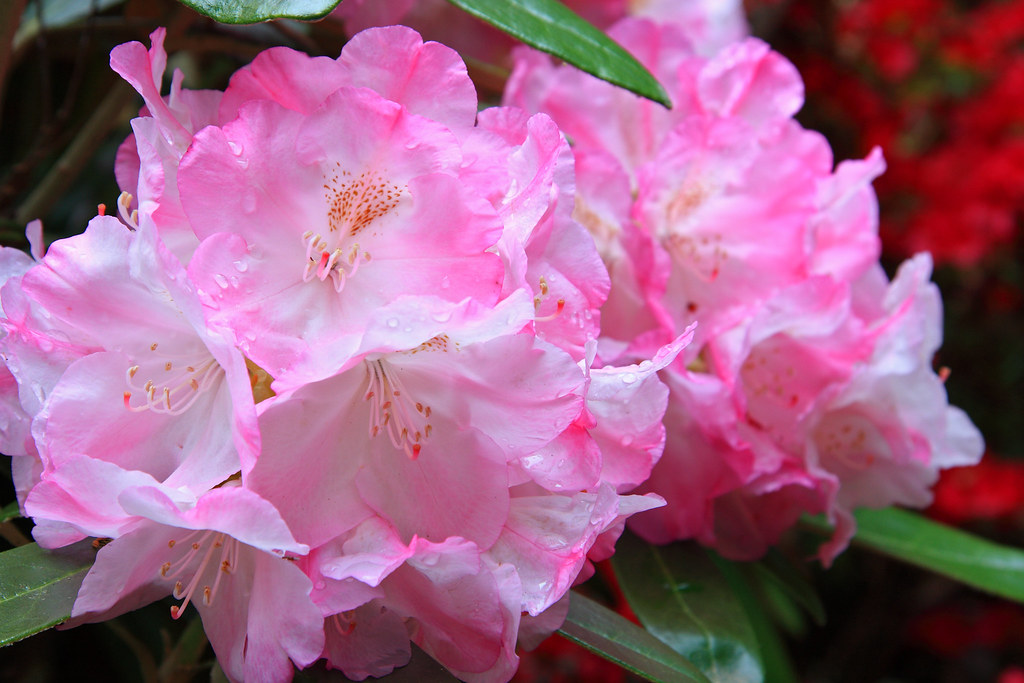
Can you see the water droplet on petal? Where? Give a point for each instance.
(626, 440)
(628, 378)
(45, 345)
(249, 201)
(241, 266)
(445, 282)
(236, 148)
(221, 281)
(392, 322)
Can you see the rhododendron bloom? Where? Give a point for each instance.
(335, 359)
(162, 393)
(229, 554)
(725, 212)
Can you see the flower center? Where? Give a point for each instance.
(205, 553)
(704, 254)
(354, 203)
(392, 410)
(170, 383)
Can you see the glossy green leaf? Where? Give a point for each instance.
(38, 587)
(939, 548)
(776, 572)
(9, 512)
(255, 11)
(550, 26)
(778, 667)
(683, 599)
(619, 640)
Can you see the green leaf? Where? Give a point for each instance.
(9, 512)
(957, 554)
(776, 572)
(778, 667)
(38, 587)
(683, 599)
(550, 26)
(255, 11)
(619, 640)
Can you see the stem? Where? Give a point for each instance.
(141, 652)
(179, 666)
(13, 535)
(105, 117)
(10, 17)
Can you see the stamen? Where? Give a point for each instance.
(392, 411)
(225, 565)
(344, 622)
(560, 306)
(128, 215)
(177, 389)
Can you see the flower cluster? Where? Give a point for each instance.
(809, 386)
(355, 365)
(329, 373)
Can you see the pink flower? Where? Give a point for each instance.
(229, 554)
(147, 162)
(331, 228)
(114, 363)
(347, 378)
(725, 212)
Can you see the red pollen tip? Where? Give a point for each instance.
(175, 612)
(944, 373)
(127, 398)
(101, 209)
(415, 451)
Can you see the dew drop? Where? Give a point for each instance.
(627, 441)
(221, 281)
(628, 378)
(445, 282)
(241, 266)
(236, 148)
(392, 322)
(45, 345)
(249, 201)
